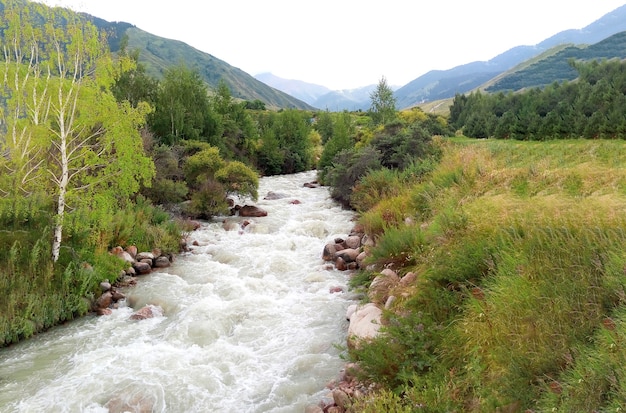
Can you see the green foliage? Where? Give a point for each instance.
(348, 167)
(202, 165)
(237, 178)
(182, 109)
(519, 292)
(285, 145)
(559, 67)
(376, 185)
(383, 103)
(340, 139)
(592, 107)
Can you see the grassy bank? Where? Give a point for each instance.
(36, 294)
(520, 254)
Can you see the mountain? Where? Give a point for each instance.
(442, 84)
(306, 92)
(158, 54)
(556, 67)
(321, 97)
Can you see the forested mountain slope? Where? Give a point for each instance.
(158, 54)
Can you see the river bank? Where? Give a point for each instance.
(249, 323)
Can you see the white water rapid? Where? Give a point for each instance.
(248, 324)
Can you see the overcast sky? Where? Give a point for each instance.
(343, 44)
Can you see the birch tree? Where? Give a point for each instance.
(88, 144)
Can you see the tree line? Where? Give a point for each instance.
(591, 107)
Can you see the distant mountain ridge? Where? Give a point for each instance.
(556, 67)
(442, 84)
(319, 96)
(158, 54)
(306, 92)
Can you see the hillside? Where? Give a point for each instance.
(159, 53)
(441, 84)
(556, 67)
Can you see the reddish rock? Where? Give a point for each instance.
(348, 254)
(340, 264)
(353, 241)
(251, 211)
(409, 279)
(335, 289)
(360, 259)
(142, 268)
(328, 254)
(105, 300)
(149, 311)
(132, 250)
(104, 311)
(123, 255)
(295, 202)
(117, 295)
(136, 403)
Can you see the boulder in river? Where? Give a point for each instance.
(251, 211)
(148, 311)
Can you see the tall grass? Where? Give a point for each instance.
(521, 286)
(35, 293)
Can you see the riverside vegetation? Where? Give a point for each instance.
(519, 252)
(518, 246)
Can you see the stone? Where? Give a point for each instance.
(148, 311)
(105, 300)
(136, 403)
(271, 196)
(328, 254)
(364, 324)
(409, 279)
(105, 285)
(162, 262)
(144, 256)
(142, 268)
(351, 310)
(118, 295)
(132, 250)
(340, 264)
(251, 211)
(123, 255)
(348, 254)
(361, 258)
(104, 311)
(353, 241)
(341, 399)
(382, 284)
(389, 302)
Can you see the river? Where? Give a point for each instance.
(248, 324)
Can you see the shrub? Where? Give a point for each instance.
(348, 167)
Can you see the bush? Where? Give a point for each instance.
(348, 167)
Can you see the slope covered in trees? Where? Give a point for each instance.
(592, 107)
(558, 67)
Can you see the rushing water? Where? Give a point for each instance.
(248, 324)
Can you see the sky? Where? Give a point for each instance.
(346, 44)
